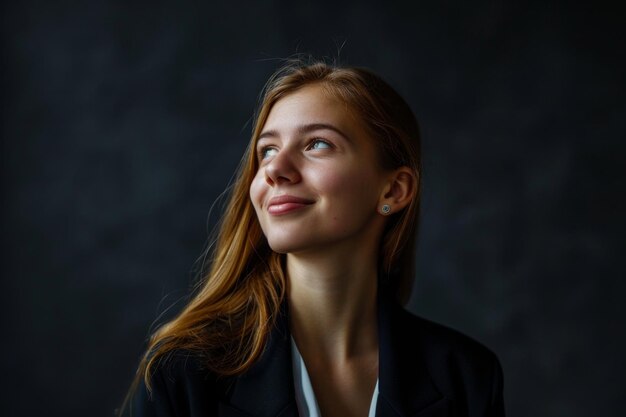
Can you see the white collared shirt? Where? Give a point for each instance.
(305, 397)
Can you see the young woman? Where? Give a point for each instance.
(301, 312)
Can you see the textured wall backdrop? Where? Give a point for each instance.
(122, 122)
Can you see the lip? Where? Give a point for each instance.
(282, 204)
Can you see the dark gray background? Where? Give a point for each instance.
(122, 122)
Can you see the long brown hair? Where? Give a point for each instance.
(227, 321)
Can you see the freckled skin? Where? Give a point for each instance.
(342, 177)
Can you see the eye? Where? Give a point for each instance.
(266, 151)
(319, 144)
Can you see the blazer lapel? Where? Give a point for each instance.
(267, 388)
(405, 386)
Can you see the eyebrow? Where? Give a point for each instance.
(306, 129)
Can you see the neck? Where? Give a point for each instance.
(332, 303)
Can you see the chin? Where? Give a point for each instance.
(281, 247)
(287, 245)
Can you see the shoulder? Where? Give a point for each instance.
(179, 385)
(441, 341)
(460, 366)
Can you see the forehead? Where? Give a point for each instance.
(313, 104)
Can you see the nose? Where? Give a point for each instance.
(282, 169)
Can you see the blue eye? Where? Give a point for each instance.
(263, 153)
(315, 144)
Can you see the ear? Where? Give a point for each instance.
(399, 190)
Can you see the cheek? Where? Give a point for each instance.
(350, 187)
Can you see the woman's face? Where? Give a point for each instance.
(319, 181)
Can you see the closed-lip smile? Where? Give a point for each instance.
(285, 203)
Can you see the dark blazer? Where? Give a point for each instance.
(425, 370)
